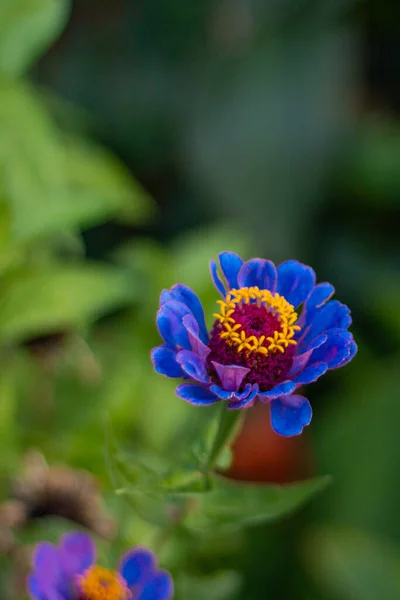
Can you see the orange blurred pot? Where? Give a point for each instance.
(260, 454)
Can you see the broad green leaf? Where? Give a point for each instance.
(27, 28)
(230, 504)
(53, 183)
(353, 565)
(34, 302)
(31, 164)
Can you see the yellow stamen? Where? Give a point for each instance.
(98, 583)
(273, 303)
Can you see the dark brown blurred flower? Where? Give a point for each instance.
(40, 491)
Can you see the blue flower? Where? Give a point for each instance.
(276, 331)
(68, 572)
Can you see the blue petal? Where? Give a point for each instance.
(295, 281)
(216, 278)
(231, 376)
(352, 352)
(160, 587)
(164, 361)
(258, 272)
(78, 552)
(311, 373)
(289, 414)
(192, 328)
(332, 315)
(230, 266)
(320, 294)
(184, 294)
(301, 360)
(335, 349)
(280, 389)
(195, 394)
(193, 366)
(166, 296)
(170, 325)
(136, 565)
(240, 401)
(33, 587)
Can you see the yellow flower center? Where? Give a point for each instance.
(98, 583)
(275, 323)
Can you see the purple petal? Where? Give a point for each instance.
(284, 388)
(184, 294)
(216, 278)
(289, 414)
(295, 281)
(136, 566)
(230, 266)
(231, 376)
(78, 552)
(246, 401)
(46, 562)
(192, 328)
(170, 325)
(164, 361)
(258, 272)
(311, 373)
(195, 394)
(193, 366)
(160, 587)
(227, 395)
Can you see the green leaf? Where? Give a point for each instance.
(27, 28)
(35, 302)
(101, 185)
(53, 183)
(230, 504)
(354, 566)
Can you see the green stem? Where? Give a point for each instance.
(228, 426)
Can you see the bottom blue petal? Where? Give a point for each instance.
(195, 394)
(289, 414)
(160, 587)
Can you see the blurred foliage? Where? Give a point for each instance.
(256, 128)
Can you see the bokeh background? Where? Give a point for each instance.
(139, 138)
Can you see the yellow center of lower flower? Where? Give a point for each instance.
(98, 583)
(256, 320)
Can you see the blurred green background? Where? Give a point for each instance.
(138, 139)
